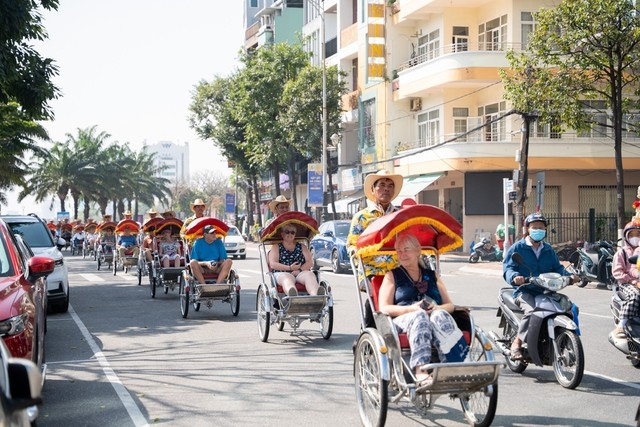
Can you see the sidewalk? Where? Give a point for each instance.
(487, 268)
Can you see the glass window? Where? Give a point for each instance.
(492, 35)
(429, 46)
(460, 40)
(34, 233)
(527, 26)
(460, 116)
(254, 3)
(342, 229)
(429, 127)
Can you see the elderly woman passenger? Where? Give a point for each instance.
(418, 301)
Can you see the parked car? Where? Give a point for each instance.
(37, 235)
(235, 244)
(20, 390)
(328, 247)
(23, 300)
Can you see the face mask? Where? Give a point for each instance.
(634, 241)
(537, 235)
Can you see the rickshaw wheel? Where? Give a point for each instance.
(264, 313)
(281, 326)
(235, 302)
(115, 265)
(184, 299)
(196, 306)
(327, 323)
(152, 286)
(371, 389)
(166, 289)
(99, 264)
(139, 277)
(480, 407)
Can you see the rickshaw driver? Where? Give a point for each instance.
(197, 207)
(209, 256)
(380, 188)
(127, 242)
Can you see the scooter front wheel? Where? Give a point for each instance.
(568, 364)
(473, 258)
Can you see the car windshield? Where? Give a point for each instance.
(233, 232)
(342, 229)
(34, 233)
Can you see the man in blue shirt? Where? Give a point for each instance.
(209, 256)
(127, 242)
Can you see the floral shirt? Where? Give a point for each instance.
(378, 264)
(169, 248)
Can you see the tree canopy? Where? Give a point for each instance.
(581, 51)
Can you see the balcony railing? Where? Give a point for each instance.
(455, 49)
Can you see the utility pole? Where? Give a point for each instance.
(523, 173)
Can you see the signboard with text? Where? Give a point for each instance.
(230, 203)
(314, 184)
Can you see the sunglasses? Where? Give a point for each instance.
(289, 232)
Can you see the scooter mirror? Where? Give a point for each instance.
(517, 258)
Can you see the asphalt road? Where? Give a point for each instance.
(121, 358)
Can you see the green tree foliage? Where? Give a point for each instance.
(581, 50)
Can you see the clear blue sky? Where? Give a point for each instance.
(129, 67)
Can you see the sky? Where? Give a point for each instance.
(129, 67)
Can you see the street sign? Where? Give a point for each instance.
(512, 195)
(314, 185)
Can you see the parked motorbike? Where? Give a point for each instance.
(594, 265)
(553, 336)
(486, 251)
(630, 347)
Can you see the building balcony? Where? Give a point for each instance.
(349, 36)
(410, 10)
(452, 66)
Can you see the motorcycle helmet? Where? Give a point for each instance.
(627, 228)
(537, 216)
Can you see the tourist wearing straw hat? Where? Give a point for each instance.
(197, 207)
(278, 206)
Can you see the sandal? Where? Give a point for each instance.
(423, 383)
(516, 354)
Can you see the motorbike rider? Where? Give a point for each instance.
(539, 257)
(626, 274)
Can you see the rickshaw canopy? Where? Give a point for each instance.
(105, 225)
(432, 226)
(127, 224)
(194, 229)
(151, 222)
(306, 226)
(78, 227)
(174, 224)
(91, 227)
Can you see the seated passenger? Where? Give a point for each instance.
(418, 302)
(78, 238)
(107, 241)
(209, 256)
(127, 242)
(291, 263)
(169, 249)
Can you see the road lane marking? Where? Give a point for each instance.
(92, 277)
(615, 380)
(125, 397)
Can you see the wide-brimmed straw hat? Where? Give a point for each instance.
(197, 202)
(127, 212)
(372, 178)
(152, 211)
(275, 202)
(168, 214)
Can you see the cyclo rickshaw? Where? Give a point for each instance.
(165, 277)
(87, 248)
(65, 233)
(129, 260)
(193, 293)
(272, 305)
(144, 266)
(381, 366)
(104, 251)
(77, 245)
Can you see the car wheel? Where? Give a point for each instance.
(243, 257)
(335, 262)
(61, 307)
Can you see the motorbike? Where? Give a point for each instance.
(594, 265)
(630, 346)
(486, 251)
(553, 337)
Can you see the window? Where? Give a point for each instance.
(494, 129)
(368, 123)
(602, 198)
(599, 118)
(631, 125)
(546, 130)
(254, 3)
(460, 40)
(429, 127)
(492, 35)
(460, 116)
(429, 46)
(527, 26)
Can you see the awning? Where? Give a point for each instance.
(412, 186)
(342, 205)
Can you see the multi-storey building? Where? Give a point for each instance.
(427, 102)
(173, 158)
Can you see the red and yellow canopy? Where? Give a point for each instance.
(306, 226)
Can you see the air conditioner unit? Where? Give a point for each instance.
(415, 104)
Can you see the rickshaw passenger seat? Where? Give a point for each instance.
(461, 317)
(299, 286)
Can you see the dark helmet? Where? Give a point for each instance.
(627, 228)
(537, 216)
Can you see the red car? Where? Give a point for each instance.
(22, 297)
